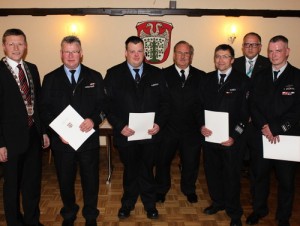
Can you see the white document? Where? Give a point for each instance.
(287, 149)
(67, 125)
(218, 123)
(141, 123)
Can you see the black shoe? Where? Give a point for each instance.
(235, 222)
(160, 197)
(253, 218)
(152, 213)
(68, 223)
(283, 223)
(192, 198)
(91, 223)
(124, 212)
(212, 209)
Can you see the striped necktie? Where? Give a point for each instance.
(249, 73)
(25, 89)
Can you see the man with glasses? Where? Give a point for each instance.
(275, 111)
(224, 90)
(81, 87)
(182, 132)
(250, 63)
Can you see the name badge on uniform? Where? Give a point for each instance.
(230, 91)
(288, 90)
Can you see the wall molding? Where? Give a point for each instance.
(149, 12)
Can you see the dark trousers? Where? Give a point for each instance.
(222, 170)
(285, 174)
(66, 166)
(22, 176)
(189, 147)
(138, 178)
(248, 143)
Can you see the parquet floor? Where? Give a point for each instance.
(176, 211)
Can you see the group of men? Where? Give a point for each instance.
(258, 104)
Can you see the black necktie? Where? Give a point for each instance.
(182, 76)
(275, 75)
(137, 77)
(73, 81)
(222, 80)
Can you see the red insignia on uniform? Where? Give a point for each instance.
(157, 40)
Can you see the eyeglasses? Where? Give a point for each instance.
(71, 52)
(253, 45)
(225, 57)
(183, 53)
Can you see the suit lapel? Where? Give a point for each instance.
(258, 65)
(243, 66)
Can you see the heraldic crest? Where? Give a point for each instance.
(157, 40)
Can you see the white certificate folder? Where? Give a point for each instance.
(141, 123)
(66, 125)
(287, 149)
(218, 123)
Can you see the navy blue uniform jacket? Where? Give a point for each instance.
(87, 99)
(231, 97)
(184, 101)
(277, 103)
(124, 97)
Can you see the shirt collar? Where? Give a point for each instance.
(281, 69)
(253, 59)
(227, 72)
(13, 63)
(78, 69)
(141, 67)
(186, 70)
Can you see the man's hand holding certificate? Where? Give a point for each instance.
(141, 123)
(216, 128)
(72, 127)
(287, 149)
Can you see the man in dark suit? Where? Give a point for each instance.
(225, 90)
(21, 132)
(250, 64)
(275, 111)
(81, 87)
(182, 131)
(136, 87)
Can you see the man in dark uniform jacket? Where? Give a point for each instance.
(81, 87)
(275, 111)
(182, 131)
(20, 132)
(136, 87)
(225, 90)
(250, 63)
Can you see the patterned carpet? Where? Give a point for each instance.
(176, 211)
